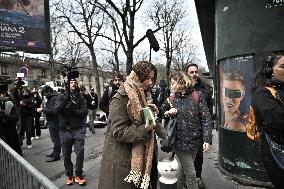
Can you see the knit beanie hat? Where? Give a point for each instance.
(143, 69)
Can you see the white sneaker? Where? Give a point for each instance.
(32, 138)
(37, 137)
(30, 146)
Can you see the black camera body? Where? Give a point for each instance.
(69, 72)
(3, 101)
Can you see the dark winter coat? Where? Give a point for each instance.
(269, 115)
(91, 98)
(109, 92)
(269, 112)
(72, 117)
(8, 131)
(120, 135)
(206, 92)
(50, 113)
(192, 119)
(37, 101)
(160, 95)
(27, 108)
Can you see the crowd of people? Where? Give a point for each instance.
(129, 158)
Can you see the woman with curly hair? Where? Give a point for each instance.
(129, 154)
(269, 115)
(193, 118)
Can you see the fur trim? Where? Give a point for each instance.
(145, 181)
(135, 177)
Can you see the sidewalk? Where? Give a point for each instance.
(212, 176)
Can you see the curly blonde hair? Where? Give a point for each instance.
(184, 81)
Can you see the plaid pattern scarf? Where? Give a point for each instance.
(142, 153)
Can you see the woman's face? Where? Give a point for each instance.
(173, 85)
(232, 95)
(148, 83)
(278, 70)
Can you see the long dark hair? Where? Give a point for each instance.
(265, 72)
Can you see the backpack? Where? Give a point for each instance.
(252, 132)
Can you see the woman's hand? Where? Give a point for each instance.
(171, 112)
(206, 146)
(148, 126)
(154, 108)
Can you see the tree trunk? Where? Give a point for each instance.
(168, 68)
(129, 62)
(96, 73)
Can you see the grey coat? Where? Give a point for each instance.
(120, 135)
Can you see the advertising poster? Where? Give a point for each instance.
(24, 26)
(236, 75)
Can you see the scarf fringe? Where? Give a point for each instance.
(135, 177)
(145, 181)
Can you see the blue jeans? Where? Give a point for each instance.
(55, 138)
(68, 139)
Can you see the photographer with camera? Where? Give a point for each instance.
(8, 118)
(37, 100)
(72, 109)
(92, 106)
(16, 93)
(93, 109)
(27, 112)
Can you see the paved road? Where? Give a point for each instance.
(212, 176)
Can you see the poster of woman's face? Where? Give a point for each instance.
(235, 80)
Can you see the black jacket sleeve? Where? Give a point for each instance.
(268, 109)
(104, 102)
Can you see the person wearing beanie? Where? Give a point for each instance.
(72, 110)
(130, 136)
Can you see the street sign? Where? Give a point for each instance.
(24, 70)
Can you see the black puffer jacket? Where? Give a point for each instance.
(192, 119)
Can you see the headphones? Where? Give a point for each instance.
(267, 70)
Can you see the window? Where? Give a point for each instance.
(4, 70)
(43, 73)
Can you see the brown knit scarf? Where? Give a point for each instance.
(142, 153)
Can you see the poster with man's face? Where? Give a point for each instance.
(236, 74)
(24, 26)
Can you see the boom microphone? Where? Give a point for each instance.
(152, 40)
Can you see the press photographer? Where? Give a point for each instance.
(72, 109)
(16, 91)
(8, 117)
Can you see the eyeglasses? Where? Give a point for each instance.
(231, 93)
(192, 72)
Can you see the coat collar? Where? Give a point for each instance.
(122, 91)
